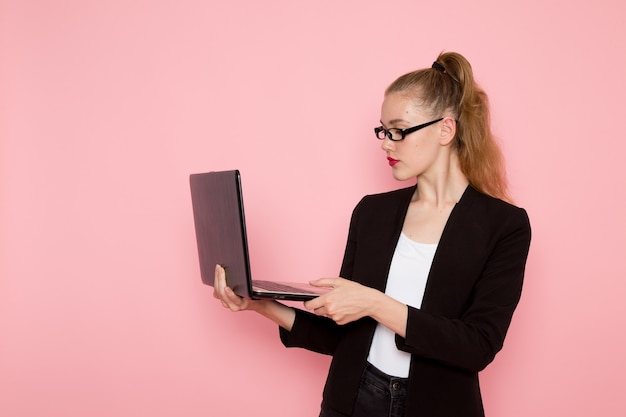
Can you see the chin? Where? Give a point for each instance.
(404, 174)
(402, 177)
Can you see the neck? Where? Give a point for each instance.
(444, 184)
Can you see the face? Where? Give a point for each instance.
(419, 152)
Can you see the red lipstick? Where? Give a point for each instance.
(392, 161)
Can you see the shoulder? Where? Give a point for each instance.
(485, 201)
(491, 211)
(387, 199)
(382, 212)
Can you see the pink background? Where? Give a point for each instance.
(106, 107)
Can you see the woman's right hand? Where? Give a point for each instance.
(226, 295)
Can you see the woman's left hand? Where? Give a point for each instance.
(348, 301)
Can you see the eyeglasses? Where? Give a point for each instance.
(397, 135)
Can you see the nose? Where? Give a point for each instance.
(386, 145)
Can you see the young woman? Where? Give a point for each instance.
(431, 273)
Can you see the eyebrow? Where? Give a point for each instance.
(394, 121)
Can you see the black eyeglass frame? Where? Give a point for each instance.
(403, 132)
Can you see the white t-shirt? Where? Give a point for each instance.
(408, 273)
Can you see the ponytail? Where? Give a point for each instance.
(450, 86)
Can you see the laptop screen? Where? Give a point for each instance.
(220, 228)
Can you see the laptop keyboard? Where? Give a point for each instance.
(277, 287)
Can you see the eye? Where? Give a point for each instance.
(394, 134)
(380, 132)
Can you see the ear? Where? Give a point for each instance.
(448, 131)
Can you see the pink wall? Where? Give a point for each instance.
(107, 106)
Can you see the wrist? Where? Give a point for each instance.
(259, 306)
(376, 305)
(390, 312)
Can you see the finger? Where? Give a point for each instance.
(216, 291)
(231, 296)
(324, 282)
(314, 303)
(236, 302)
(220, 285)
(231, 303)
(321, 311)
(217, 278)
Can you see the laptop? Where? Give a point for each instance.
(221, 237)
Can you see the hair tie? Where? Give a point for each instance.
(438, 67)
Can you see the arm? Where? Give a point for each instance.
(311, 332)
(471, 300)
(349, 301)
(471, 339)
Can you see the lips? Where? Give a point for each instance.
(392, 161)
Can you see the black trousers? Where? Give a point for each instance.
(380, 395)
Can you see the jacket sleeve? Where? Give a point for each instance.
(471, 340)
(315, 333)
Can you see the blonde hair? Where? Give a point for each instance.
(450, 86)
